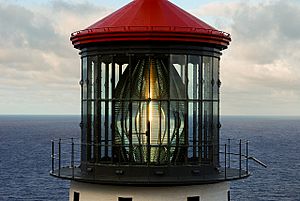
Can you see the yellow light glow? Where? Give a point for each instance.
(150, 96)
(146, 118)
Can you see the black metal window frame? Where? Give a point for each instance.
(92, 135)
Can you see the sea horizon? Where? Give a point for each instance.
(26, 148)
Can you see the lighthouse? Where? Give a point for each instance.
(150, 110)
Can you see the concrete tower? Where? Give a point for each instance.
(150, 110)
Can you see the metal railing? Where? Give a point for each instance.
(233, 156)
(65, 153)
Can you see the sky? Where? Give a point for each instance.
(40, 69)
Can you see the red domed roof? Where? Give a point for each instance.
(150, 20)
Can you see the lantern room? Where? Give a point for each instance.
(150, 92)
(150, 103)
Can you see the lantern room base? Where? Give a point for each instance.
(150, 176)
(98, 192)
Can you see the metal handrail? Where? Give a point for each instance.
(228, 157)
(258, 161)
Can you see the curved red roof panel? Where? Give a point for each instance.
(150, 20)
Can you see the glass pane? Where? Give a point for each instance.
(215, 78)
(110, 76)
(103, 80)
(200, 130)
(91, 76)
(215, 132)
(84, 114)
(121, 63)
(193, 77)
(109, 127)
(178, 76)
(121, 131)
(119, 72)
(92, 79)
(207, 78)
(84, 68)
(84, 91)
(107, 76)
(102, 128)
(84, 129)
(193, 128)
(90, 132)
(84, 78)
(215, 119)
(207, 128)
(140, 128)
(177, 130)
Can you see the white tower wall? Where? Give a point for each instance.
(96, 192)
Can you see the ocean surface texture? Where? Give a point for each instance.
(25, 162)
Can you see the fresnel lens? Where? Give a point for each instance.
(143, 110)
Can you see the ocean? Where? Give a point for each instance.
(25, 162)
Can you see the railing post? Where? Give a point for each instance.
(229, 153)
(59, 156)
(52, 155)
(225, 161)
(247, 157)
(72, 158)
(240, 156)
